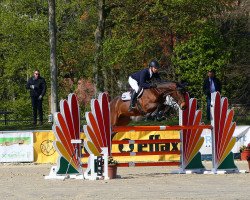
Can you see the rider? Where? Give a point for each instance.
(140, 79)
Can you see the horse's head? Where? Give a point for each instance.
(175, 90)
(180, 95)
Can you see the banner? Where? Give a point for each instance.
(16, 147)
(44, 152)
(145, 135)
(242, 134)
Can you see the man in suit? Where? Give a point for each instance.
(37, 86)
(211, 84)
(141, 79)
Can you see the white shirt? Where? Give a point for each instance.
(150, 73)
(212, 87)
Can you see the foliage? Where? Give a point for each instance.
(24, 47)
(187, 37)
(23, 32)
(242, 148)
(204, 51)
(112, 161)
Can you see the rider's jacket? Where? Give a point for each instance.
(143, 77)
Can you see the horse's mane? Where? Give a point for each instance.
(164, 82)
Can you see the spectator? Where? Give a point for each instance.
(37, 86)
(211, 84)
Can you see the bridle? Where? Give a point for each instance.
(169, 93)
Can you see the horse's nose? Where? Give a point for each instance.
(183, 105)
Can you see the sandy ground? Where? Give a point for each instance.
(26, 181)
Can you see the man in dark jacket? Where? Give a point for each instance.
(140, 79)
(37, 86)
(211, 84)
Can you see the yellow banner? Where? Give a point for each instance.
(145, 135)
(44, 152)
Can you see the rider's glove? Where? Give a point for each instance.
(32, 87)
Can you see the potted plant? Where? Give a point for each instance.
(245, 152)
(112, 167)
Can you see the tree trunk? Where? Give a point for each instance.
(53, 67)
(99, 35)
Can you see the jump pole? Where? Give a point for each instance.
(159, 128)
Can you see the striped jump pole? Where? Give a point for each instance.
(159, 128)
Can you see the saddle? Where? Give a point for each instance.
(126, 96)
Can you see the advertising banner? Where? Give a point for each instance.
(16, 147)
(242, 134)
(44, 152)
(145, 135)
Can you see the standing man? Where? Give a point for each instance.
(211, 84)
(140, 79)
(37, 86)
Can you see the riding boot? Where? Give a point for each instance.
(133, 100)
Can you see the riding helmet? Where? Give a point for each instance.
(154, 63)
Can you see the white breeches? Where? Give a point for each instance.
(133, 83)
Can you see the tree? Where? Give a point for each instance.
(53, 67)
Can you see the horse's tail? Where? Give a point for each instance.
(113, 102)
(114, 109)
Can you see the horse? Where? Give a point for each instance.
(150, 100)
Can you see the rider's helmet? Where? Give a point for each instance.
(154, 63)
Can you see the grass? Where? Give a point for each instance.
(13, 126)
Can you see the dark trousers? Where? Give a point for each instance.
(208, 108)
(37, 105)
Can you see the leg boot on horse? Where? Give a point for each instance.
(133, 101)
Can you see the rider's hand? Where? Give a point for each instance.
(153, 85)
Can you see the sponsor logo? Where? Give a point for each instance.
(47, 147)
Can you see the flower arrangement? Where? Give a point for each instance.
(112, 161)
(242, 148)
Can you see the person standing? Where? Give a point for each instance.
(140, 79)
(211, 84)
(37, 86)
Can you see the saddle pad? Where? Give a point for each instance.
(126, 96)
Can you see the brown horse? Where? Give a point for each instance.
(148, 102)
